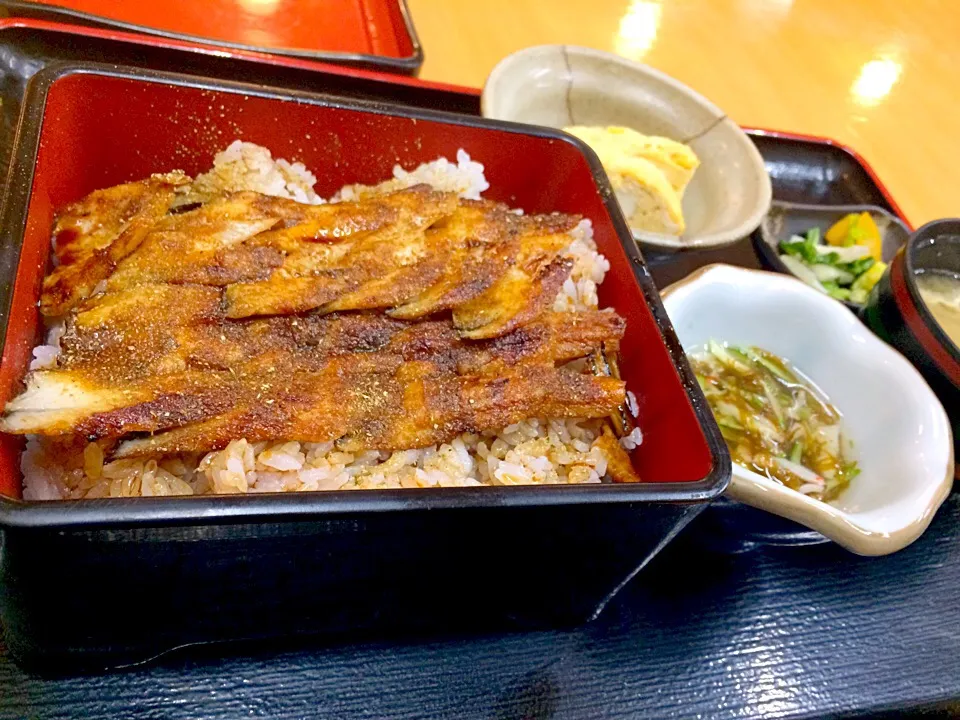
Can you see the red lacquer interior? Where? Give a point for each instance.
(100, 131)
(368, 27)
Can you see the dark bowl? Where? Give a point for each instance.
(236, 567)
(786, 219)
(897, 313)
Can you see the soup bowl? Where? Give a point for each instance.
(901, 434)
(897, 312)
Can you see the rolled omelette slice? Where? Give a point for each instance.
(647, 199)
(648, 174)
(675, 160)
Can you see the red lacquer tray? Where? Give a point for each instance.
(366, 33)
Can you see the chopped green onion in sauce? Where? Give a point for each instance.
(775, 422)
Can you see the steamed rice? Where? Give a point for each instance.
(535, 451)
(246, 166)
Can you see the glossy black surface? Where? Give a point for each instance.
(780, 632)
(812, 172)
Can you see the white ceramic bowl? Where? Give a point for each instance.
(562, 85)
(900, 431)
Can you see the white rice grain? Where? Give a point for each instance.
(247, 166)
(465, 177)
(632, 404)
(632, 440)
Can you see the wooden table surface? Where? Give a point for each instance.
(878, 75)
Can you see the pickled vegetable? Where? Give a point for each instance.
(847, 266)
(857, 229)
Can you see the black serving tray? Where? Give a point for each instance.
(782, 632)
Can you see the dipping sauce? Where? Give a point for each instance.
(776, 423)
(941, 293)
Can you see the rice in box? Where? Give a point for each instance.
(535, 451)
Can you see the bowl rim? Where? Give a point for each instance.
(841, 527)
(566, 49)
(767, 250)
(259, 507)
(717, 239)
(926, 232)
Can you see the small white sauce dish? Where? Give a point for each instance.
(901, 434)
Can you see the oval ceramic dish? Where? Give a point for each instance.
(563, 85)
(900, 431)
(786, 219)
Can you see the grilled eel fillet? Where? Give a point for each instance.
(413, 253)
(388, 404)
(251, 316)
(91, 236)
(195, 366)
